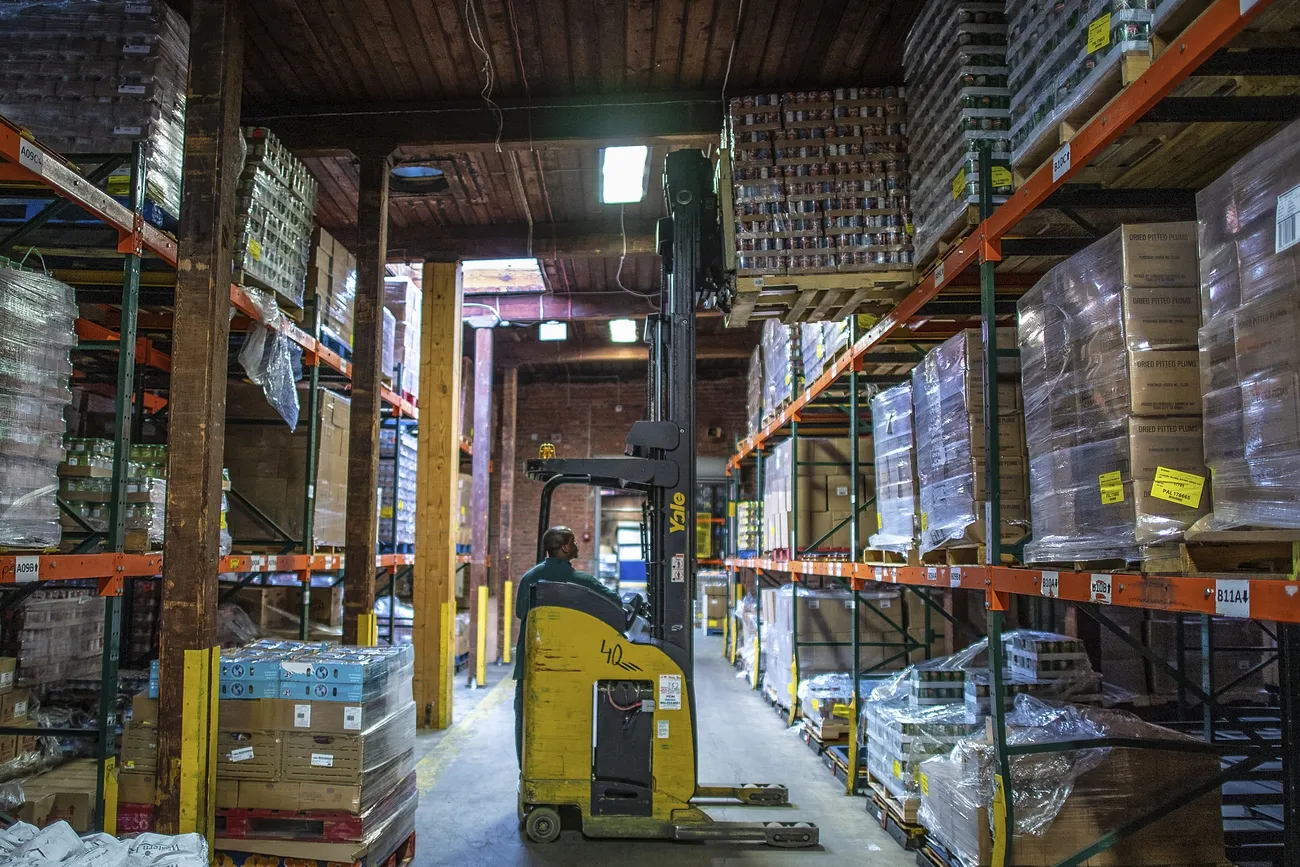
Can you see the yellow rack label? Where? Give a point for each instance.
(1099, 33)
(925, 785)
(1112, 487)
(1001, 176)
(959, 184)
(880, 522)
(925, 521)
(1176, 486)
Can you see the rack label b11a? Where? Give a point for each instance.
(1232, 598)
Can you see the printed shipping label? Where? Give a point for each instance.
(959, 184)
(6, 679)
(132, 89)
(1001, 176)
(1288, 219)
(352, 719)
(1232, 598)
(661, 729)
(1099, 588)
(1176, 486)
(670, 692)
(1112, 487)
(242, 754)
(322, 760)
(1099, 33)
(302, 716)
(20, 708)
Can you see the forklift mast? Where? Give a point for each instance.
(660, 450)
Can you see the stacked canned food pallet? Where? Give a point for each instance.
(955, 63)
(821, 181)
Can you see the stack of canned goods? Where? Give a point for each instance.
(821, 181)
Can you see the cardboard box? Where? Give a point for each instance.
(140, 748)
(253, 755)
(260, 795)
(228, 793)
(8, 667)
(8, 748)
(321, 717)
(1160, 254)
(70, 791)
(715, 607)
(1161, 317)
(144, 710)
(1013, 477)
(13, 706)
(135, 787)
(1174, 443)
(319, 758)
(1164, 382)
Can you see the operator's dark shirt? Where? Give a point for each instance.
(550, 569)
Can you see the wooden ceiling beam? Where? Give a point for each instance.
(591, 121)
(575, 240)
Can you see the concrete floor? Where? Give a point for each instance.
(468, 783)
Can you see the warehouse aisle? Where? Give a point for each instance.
(468, 783)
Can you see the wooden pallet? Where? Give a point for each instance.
(314, 825)
(963, 555)
(1118, 73)
(904, 808)
(873, 557)
(1247, 552)
(907, 835)
(956, 231)
(818, 297)
(825, 732)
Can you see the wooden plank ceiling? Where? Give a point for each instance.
(349, 52)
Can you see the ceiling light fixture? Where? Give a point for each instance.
(553, 331)
(622, 330)
(623, 174)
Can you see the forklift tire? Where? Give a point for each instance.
(542, 825)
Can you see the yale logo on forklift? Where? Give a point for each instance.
(677, 513)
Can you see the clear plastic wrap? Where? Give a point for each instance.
(820, 181)
(58, 634)
(782, 366)
(895, 447)
(1112, 394)
(332, 281)
(388, 346)
(749, 528)
(405, 483)
(402, 299)
(1064, 801)
(819, 694)
(95, 76)
(36, 320)
(955, 65)
(755, 392)
(747, 647)
(271, 360)
(1059, 53)
(346, 759)
(947, 402)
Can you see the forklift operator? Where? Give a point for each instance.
(561, 547)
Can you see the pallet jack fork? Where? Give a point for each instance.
(609, 694)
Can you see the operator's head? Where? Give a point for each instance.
(560, 543)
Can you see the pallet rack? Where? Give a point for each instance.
(26, 164)
(1245, 751)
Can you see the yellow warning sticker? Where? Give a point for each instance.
(925, 521)
(1176, 486)
(925, 785)
(898, 769)
(841, 710)
(255, 249)
(880, 522)
(1001, 176)
(1099, 33)
(959, 184)
(909, 228)
(1112, 487)
(731, 509)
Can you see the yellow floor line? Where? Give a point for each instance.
(429, 768)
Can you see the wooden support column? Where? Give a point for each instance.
(501, 565)
(186, 775)
(436, 515)
(480, 494)
(359, 625)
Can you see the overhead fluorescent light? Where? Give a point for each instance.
(623, 174)
(553, 330)
(622, 330)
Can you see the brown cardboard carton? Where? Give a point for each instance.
(13, 706)
(36, 808)
(320, 758)
(1160, 254)
(323, 717)
(715, 589)
(8, 748)
(715, 608)
(71, 789)
(144, 710)
(8, 666)
(1164, 382)
(252, 755)
(329, 796)
(140, 748)
(228, 793)
(264, 795)
(1013, 476)
(135, 787)
(1174, 443)
(1161, 317)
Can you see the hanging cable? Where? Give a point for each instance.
(618, 275)
(489, 72)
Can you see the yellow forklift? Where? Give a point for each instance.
(609, 702)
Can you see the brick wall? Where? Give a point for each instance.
(584, 420)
